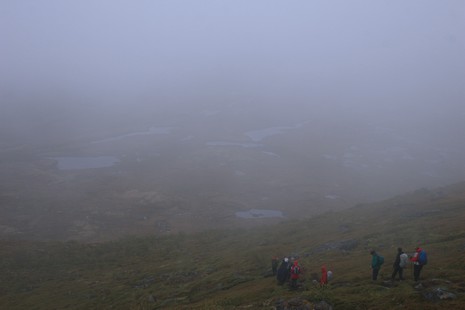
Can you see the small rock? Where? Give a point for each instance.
(152, 298)
(279, 304)
(322, 305)
(447, 295)
(295, 302)
(145, 282)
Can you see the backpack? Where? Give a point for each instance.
(380, 260)
(422, 258)
(403, 260)
(329, 275)
(295, 270)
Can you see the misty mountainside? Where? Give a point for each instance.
(91, 174)
(229, 268)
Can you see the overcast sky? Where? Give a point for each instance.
(364, 98)
(344, 53)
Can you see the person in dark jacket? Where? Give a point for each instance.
(282, 274)
(398, 265)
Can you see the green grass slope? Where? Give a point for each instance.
(227, 269)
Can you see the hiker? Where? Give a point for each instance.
(324, 276)
(274, 264)
(399, 264)
(376, 262)
(419, 259)
(289, 266)
(282, 275)
(295, 273)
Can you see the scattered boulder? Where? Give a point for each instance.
(438, 294)
(152, 299)
(299, 303)
(343, 245)
(278, 304)
(145, 282)
(295, 303)
(322, 305)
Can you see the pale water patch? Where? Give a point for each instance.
(76, 163)
(259, 135)
(259, 213)
(150, 131)
(224, 143)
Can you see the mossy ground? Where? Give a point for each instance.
(226, 269)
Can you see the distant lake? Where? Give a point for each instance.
(151, 131)
(259, 213)
(224, 143)
(259, 135)
(76, 163)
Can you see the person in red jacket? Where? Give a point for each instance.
(417, 263)
(324, 276)
(295, 273)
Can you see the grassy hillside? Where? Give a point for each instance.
(227, 269)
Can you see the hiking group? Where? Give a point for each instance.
(419, 259)
(290, 271)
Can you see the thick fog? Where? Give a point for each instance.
(267, 105)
